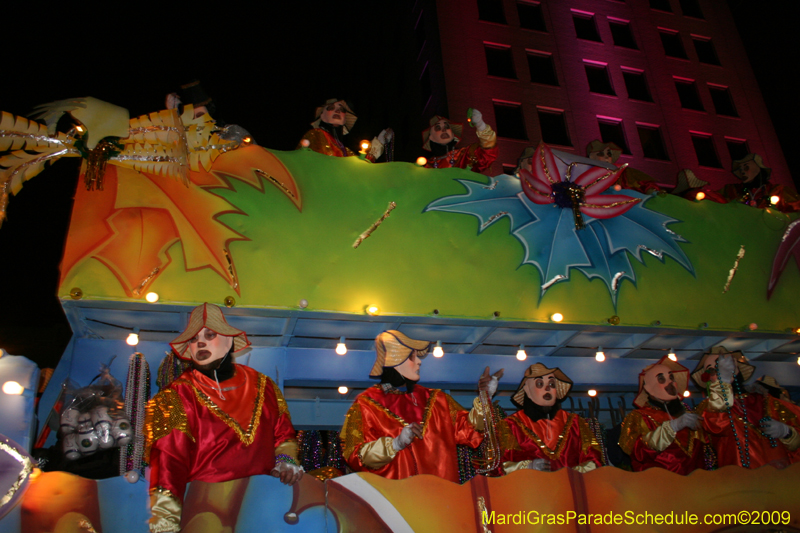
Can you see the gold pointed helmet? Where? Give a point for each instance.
(392, 348)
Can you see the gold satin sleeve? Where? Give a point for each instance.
(716, 402)
(288, 447)
(352, 433)
(507, 439)
(588, 466)
(283, 408)
(660, 438)
(487, 138)
(792, 442)
(632, 428)
(511, 466)
(163, 414)
(378, 453)
(476, 414)
(166, 512)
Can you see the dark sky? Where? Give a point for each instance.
(267, 68)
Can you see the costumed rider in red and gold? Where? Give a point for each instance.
(398, 428)
(630, 178)
(218, 421)
(755, 189)
(442, 137)
(748, 429)
(333, 121)
(661, 431)
(541, 435)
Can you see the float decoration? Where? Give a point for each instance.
(787, 248)
(571, 223)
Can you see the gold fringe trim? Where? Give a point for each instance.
(560, 443)
(163, 414)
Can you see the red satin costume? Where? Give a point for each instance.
(324, 143)
(192, 434)
(566, 440)
(684, 455)
(474, 156)
(376, 414)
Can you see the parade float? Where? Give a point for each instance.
(308, 252)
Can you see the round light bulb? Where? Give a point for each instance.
(341, 349)
(700, 195)
(438, 351)
(372, 310)
(421, 161)
(13, 388)
(672, 356)
(343, 390)
(521, 355)
(151, 297)
(556, 317)
(364, 145)
(686, 394)
(774, 199)
(600, 357)
(305, 143)
(133, 339)
(798, 360)
(592, 393)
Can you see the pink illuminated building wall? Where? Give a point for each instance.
(668, 78)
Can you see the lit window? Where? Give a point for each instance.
(499, 61)
(723, 103)
(611, 130)
(597, 75)
(706, 52)
(704, 148)
(673, 46)
(491, 11)
(687, 92)
(530, 16)
(652, 142)
(510, 122)
(636, 85)
(542, 68)
(553, 124)
(691, 8)
(622, 34)
(585, 27)
(737, 148)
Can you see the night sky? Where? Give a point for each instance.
(267, 68)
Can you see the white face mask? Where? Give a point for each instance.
(208, 346)
(441, 132)
(334, 114)
(542, 390)
(409, 368)
(660, 384)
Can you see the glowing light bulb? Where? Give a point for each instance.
(686, 394)
(1, 352)
(699, 196)
(421, 161)
(373, 310)
(521, 355)
(247, 140)
(556, 317)
(617, 187)
(341, 349)
(343, 390)
(79, 128)
(798, 360)
(305, 143)
(13, 388)
(438, 351)
(592, 393)
(774, 199)
(151, 297)
(133, 338)
(672, 355)
(364, 146)
(600, 356)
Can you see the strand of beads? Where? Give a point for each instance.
(743, 457)
(763, 423)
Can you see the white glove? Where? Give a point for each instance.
(491, 388)
(406, 436)
(686, 420)
(173, 101)
(727, 368)
(776, 430)
(543, 465)
(288, 473)
(386, 136)
(477, 120)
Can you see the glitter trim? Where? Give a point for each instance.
(27, 468)
(560, 443)
(426, 414)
